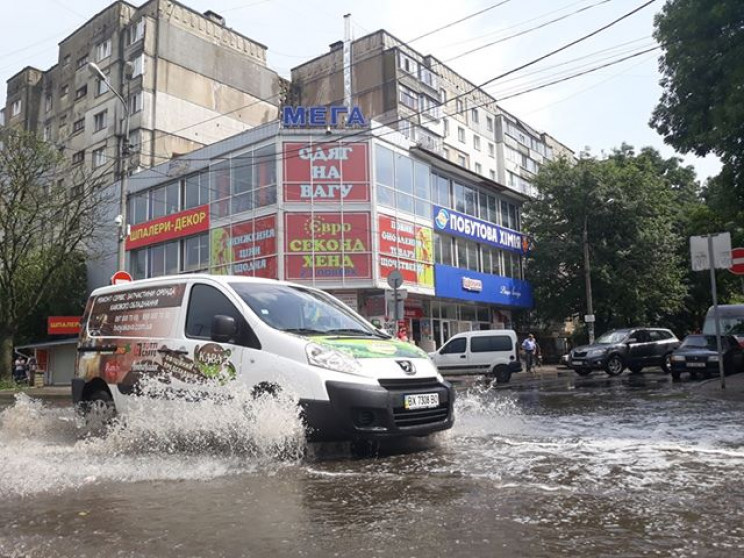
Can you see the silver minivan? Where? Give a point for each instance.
(489, 352)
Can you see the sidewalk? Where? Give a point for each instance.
(45, 392)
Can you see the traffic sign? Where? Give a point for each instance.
(395, 279)
(710, 249)
(737, 261)
(121, 277)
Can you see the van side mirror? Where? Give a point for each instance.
(224, 329)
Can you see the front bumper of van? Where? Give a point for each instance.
(356, 411)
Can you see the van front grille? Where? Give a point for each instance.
(405, 418)
(410, 383)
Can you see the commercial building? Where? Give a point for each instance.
(339, 209)
(430, 104)
(185, 80)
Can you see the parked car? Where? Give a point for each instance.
(489, 352)
(698, 356)
(633, 348)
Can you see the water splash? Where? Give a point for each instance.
(49, 449)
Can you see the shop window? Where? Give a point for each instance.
(403, 174)
(138, 208)
(384, 165)
(196, 253)
(196, 190)
(164, 200)
(220, 192)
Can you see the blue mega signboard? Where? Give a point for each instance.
(333, 116)
(459, 224)
(463, 284)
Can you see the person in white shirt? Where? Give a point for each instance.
(529, 346)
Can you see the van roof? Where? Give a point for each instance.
(186, 277)
(482, 332)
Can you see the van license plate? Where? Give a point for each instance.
(421, 401)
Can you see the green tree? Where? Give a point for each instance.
(702, 106)
(629, 206)
(49, 213)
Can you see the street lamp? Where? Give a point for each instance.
(121, 219)
(589, 318)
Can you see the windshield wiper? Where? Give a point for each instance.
(349, 331)
(304, 331)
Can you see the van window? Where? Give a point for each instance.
(491, 343)
(454, 346)
(205, 303)
(731, 318)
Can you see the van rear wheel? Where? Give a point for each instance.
(99, 410)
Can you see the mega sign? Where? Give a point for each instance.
(327, 246)
(322, 117)
(466, 226)
(326, 172)
(247, 248)
(185, 223)
(407, 247)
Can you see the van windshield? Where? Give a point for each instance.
(731, 318)
(302, 311)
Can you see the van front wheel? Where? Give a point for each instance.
(502, 374)
(99, 410)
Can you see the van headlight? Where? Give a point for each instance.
(331, 359)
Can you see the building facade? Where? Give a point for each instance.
(187, 81)
(431, 105)
(339, 211)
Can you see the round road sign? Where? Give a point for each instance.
(395, 279)
(737, 261)
(120, 277)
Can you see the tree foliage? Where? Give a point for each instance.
(633, 208)
(702, 106)
(48, 215)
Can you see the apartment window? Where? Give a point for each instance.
(48, 102)
(78, 157)
(462, 161)
(408, 64)
(47, 132)
(66, 60)
(491, 150)
(408, 97)
(81, 92)
(103, 50)
(135, 102)
(445, 153)
(16, 108)
(492, 175)
(102, 86)
(446, 127)
(135, 32)
(478, 168)
(428, 77)
(139, 65)
(82, 61)
(100, 121)
(489, 123)
(99, 157)
(443, 95)
(429, 106)
(476, 143)
(78, 126)
(460, 106)
(461, 134)
(135, 136)
(474, 115)
(64, 90)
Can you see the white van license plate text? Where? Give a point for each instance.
(421, 401)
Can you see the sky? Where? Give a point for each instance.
(597, 111)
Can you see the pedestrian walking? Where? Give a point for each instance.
(529, 346)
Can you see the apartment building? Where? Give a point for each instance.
(176, 80)
(430, 104)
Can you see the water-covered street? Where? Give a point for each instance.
(576, 467)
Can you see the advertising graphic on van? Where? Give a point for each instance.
(326, 172)
(327, 246)
(364, 348)
(144, 313)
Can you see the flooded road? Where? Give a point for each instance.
(580, 468)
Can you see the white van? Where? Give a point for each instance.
(490, 352)
(353, 381)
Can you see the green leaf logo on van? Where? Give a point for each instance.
(214, 361)
(372, 348)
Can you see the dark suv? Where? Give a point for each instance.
(633, 348)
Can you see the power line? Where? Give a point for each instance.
(535, 28)
(437, 30)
